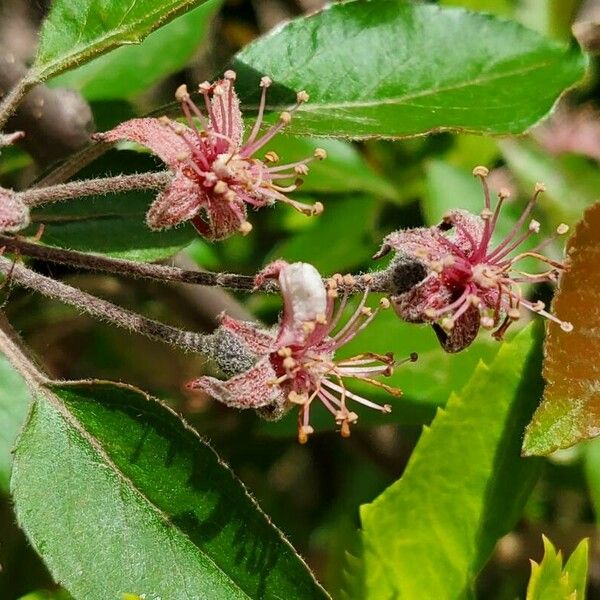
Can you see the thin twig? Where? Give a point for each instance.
(92, 187)
(188, 341)
(162, 273)
(12, 99)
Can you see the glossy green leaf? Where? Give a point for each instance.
(76, 31)
(429, 533)
(343, 171)
(570, 410)
(120, 497)
(14, 404)
(131, 69)
(389, 68)
(572, 182)
(113, 224)
(550, 581)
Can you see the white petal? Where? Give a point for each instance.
(303, 289)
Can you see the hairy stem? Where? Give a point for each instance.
(102, 309)
(12, 99)
(162, 273)
(92, 187)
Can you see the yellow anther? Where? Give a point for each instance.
(504, 193)
(487, 322)
(304, 432)
(289, 363)
(486, 213)
(447, 324)
(302, 96)
(245, 228)
(514, 314)
(271, 157)
(230, 75)
(566, 326)
(317, 208)
(320, 153)
(285, 117)
(220, 187)
(308, 326)
(348, 279)
(384, 303)
(265, 81)
(481, 171)
(562, 229)
(181, 93)
(285, 351)
(366, 311)
(218, 90)
(296, 398)
(539, 187)
(301, 169)
(204, 87)
(321, 319)
(534, 226)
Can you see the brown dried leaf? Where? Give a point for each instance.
(570, 410)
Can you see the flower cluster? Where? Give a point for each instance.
(216, 173)
(465, 280)
(295, 362)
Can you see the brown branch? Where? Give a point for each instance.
(102, 309)
(164, 273)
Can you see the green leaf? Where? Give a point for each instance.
(387, 68)
(549, 581)
(113, 224)
(570, 409)
(76, 31)
(343, 171)
(430, 532)
(337, 240)
(131, 69)
(572, 182)
(120, 497)
(14, 404)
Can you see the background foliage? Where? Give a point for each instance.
(432, 501)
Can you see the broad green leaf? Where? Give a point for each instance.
(14, 404)
(430, 532)
(570, 410)
(131, 69)
(496, 7)
(120, 497)
(572, 182)
(550, 581)
(343, 171)
(388, 68)
(113, 224)
(76, 31)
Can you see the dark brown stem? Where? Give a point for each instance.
(162, 273)
(93, 187)
(102, 309)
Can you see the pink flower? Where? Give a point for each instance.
(216, 173)
(465, 281)
(296, 363)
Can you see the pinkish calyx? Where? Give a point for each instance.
(216, 173)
